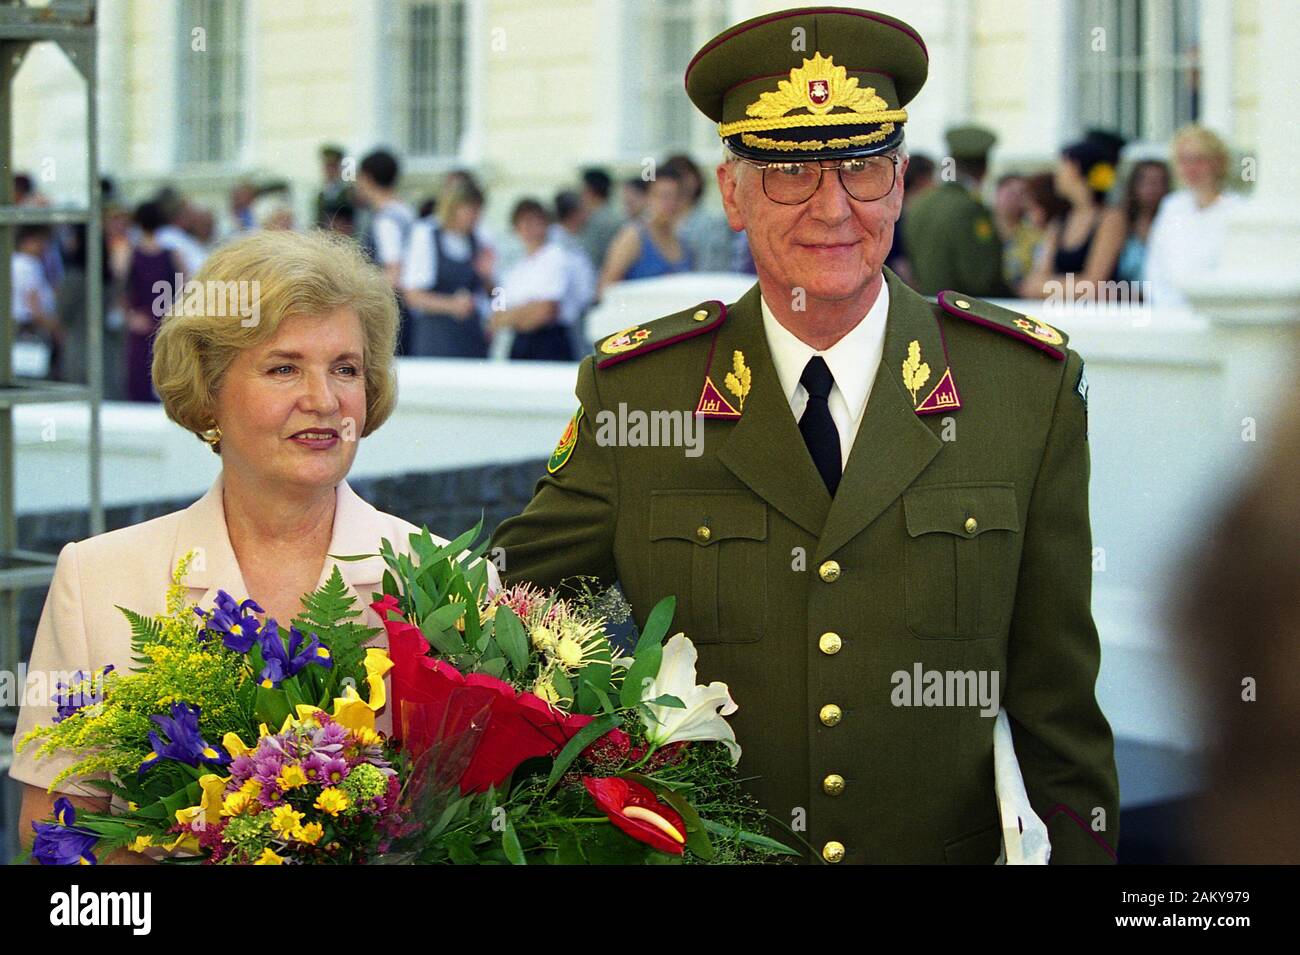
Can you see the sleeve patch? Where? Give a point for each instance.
(568, 441)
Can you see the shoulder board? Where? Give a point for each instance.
(640, 339)
(1030, 330)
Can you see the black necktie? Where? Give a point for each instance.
(817, 426)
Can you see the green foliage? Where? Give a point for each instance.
(330, 613)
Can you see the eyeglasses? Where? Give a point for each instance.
(865, 179)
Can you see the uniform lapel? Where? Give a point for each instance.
(892, 445)
(764, 447)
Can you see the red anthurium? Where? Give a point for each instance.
(637, 811)
(433, 702)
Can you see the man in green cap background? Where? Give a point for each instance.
(949, 233)
(881, 537)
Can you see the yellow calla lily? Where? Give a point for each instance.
(352, 711)
(234, 745)
(377, 663)
(214, 794)
(307, 713)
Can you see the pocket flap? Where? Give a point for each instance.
(706, 517)
(946, 508)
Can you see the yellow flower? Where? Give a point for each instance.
(377, 663)
(263, 730)
(269, 858)
(368, 737)
(285, 819)
(141, 843)
(236, 803)
(214, 789)
(546, 690)
(306, 714)
(291, 777)
(332, 801)
(352, 711)
(1101, 177)
(310, 833)
(251, 788)
(234, 745)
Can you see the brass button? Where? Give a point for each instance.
(830, 714)
(962, 303)
(833, 784)
(971, 525)
(703, 532)
(833, 851)
(701, 315)
(829, 571)
(830, 643)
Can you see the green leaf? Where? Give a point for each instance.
(667, 699)
(580, 741)
(649, 652)
(752, 838)
(657, 624)
(510, 845)
(511, 638)
(272, 707)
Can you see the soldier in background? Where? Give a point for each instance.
(948, 231)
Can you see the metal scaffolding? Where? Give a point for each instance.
(71, 25)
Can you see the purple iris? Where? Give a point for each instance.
(283, 663)
(75, 699)
(61, 843)
(184, 744)
(237, 627)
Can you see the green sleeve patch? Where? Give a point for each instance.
(568, 441)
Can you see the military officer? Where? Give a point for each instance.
(948, 231)
(886, 488)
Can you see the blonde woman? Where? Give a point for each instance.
(1190, 228)
(291, 368)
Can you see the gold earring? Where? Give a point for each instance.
(212, 435)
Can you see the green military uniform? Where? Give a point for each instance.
(957, 540)
(948, 232)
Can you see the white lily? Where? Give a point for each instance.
(702, 716)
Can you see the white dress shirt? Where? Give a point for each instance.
(853, 361)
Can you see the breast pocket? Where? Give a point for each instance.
(710, 548)
(962, 555)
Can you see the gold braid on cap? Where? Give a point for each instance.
(839, 142)
(835, 90)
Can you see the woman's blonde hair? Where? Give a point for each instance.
(453, 198)
(1205, 141)
(238, 299)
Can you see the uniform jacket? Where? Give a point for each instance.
(951, 242)
(957, 541)
(80, 629)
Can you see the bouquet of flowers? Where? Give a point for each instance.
(521, 733)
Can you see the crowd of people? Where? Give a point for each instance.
(460, 288)
(1071, 232)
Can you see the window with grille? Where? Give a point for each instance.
(1139, 69)
(429, 94)
(664, 36)
(210, 80)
